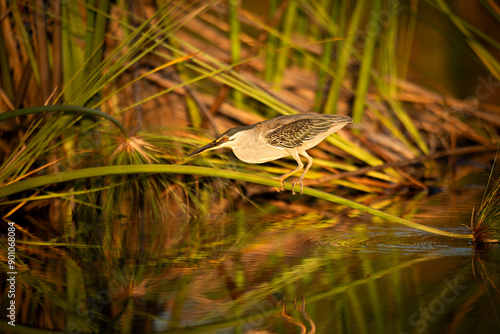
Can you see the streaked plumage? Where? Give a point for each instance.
(293, 133)
(279, 137)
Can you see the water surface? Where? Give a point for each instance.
(314, 268)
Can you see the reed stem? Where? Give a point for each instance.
(45, 180)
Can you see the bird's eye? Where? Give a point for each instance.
(223, 139)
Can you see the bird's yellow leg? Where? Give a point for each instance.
(282, 178)
(301, 178)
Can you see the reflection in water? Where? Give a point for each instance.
(304, 313)
(243, 274)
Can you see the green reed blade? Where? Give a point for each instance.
(346, 49)
(45, 180)
(366, 67)
(61, 108)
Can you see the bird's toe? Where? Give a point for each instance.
(301, 187)
(282, 183)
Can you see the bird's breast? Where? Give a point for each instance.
(256, 152)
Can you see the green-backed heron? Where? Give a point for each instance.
(277, 138)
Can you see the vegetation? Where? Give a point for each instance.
(126, 65)
(485, 223)
(102, 102)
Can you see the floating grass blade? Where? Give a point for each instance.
(204, 171)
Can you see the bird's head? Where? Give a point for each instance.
(227, 139)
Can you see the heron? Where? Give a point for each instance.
(277, 138)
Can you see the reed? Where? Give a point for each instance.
(45, 180)
(485, 222)
(188, 53)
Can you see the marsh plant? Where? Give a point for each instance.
(485, 222)
(169, 75)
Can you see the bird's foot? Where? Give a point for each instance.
(282, 183)
(299, 181)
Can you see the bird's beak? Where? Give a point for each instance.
(208, 147)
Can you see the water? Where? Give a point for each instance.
(311, 269)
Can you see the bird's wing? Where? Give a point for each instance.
(294, 134)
